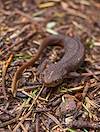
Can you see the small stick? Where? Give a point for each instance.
(4, 71)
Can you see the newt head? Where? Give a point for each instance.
(53, 75)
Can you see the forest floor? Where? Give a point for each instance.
(73, 106)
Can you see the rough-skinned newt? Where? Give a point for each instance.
(55, 73)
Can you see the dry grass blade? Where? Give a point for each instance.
(36, 97)
(46, 5)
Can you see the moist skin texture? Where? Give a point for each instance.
(55, 73)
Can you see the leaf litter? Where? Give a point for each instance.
(23, 25)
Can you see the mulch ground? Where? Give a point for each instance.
(73, 106)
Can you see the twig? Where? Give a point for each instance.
(8, 122)
(85, 124)
(7, 112)
(4, 71)
(37, 123)
(74, 12)
(93, 74)
(85, 90)
(22, 120)
(54, 119)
